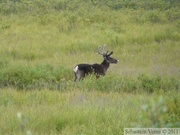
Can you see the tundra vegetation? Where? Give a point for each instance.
(42, 40)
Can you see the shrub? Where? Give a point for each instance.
(173, 105)
(22, 77)
(154, 17)
(158, 114)
(150, 84)
(61, 78)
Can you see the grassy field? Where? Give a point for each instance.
(79, 112)
(41, 42)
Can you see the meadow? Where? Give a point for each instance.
(41, 42)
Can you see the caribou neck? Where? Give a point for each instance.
(105, 64)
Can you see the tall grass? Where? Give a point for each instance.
(62, 34)
(79, 112)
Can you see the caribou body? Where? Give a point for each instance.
(81, 70)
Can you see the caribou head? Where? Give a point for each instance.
(106, 56)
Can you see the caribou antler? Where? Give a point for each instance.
(99, 49)
(109, 54)
(103, 50)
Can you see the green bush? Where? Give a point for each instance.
(50, 77)
(40, 76)
(173, 109)
(43, 7)
(108, 83)
(150, 84)
(159, 113)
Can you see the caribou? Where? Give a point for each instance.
(81, 70)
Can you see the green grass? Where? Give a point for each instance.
(41, 42)
(76, 112)
(142, 49)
